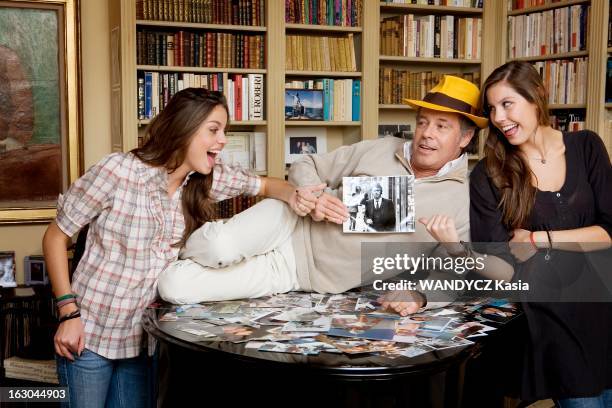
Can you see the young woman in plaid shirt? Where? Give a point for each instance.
(140, 206)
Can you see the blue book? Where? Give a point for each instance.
(148, 94)
(326, 98)
(356, 102)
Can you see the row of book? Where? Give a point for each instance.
(320, 53)
(229, 208)
(246, 150)
(244, 93)
(548, 32)
(565, 80)
(31, 370)
(341, 98)
(239, 12)
(568, 121)
(346, 13)
(397, 84)
(451, 3)
(521, 4)
(200, 49)
(609, 81)
(431, 36)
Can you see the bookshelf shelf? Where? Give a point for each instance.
(404, 107)
(322, 28)
(608, 105)
(425, 9)
(201, 26)
(144, 122)
(422, 60)
(545, 7)
(609, 50)
(165, 68)
(473, 157)
(336, 74)
(567, 106)
(320, 123)
(574, 54)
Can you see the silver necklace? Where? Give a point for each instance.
(540, 159)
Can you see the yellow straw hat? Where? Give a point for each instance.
(453, 94)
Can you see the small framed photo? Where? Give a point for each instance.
(401, 131)
(7, 269)
(35, 270)
(302, 141)
(303, 104)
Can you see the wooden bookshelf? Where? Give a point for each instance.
(564, 55)
(314, 123)
(608, 105)
(321, 28)
(200, 26)
(567, 106)
(425, 9)
(334, 74)
(210, 70)
(423, 60)
(529, 10)
(369, 59)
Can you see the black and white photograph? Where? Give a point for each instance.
(396, 130)
(303, 104)
(7, 269)
(303, 141)
(379, 204)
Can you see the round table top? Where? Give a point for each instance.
(334, 364)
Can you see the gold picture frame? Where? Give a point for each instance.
(40, 124)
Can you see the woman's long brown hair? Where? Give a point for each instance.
(505, 165)
(168, 138)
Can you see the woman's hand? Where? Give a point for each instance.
(521, 246)
(69, 338)
(303, 199)
(442, 229)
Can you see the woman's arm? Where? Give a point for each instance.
(585, 239)
(301, 199)
(69, 338)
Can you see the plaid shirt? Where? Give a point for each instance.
(133, 224)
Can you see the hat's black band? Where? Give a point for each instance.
(449, 102)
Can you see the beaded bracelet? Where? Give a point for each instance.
(65, 302)
(71, 315)
(66, 296)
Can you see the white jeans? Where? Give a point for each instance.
(249, 255)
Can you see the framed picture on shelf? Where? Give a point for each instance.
(7, 269)
(35, 270)
(301, 141)
(303, 104)
(401, 131)
(39, 107)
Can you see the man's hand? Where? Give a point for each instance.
(304, 199)
(403, 302)
(442, 229)
(521, 246)
(329, 208)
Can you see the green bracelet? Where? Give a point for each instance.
(64, 297)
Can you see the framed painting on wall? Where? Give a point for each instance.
(40, 128)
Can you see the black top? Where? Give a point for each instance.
(568, 350)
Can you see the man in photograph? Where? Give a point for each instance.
(269, 249)
(380, 211)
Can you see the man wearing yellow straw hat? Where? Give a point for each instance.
(302, 253)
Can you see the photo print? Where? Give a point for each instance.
(303, 104)
(379, 204)
(7, 269)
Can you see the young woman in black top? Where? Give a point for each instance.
(550, 192)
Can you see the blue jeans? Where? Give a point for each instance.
(96, 381)
(603, 400)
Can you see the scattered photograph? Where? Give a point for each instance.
(303, 104)
(362, 326)
(379, 204)
(358, 346)
(322, 324)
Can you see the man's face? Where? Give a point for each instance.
(377, 193)
(437, 140)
